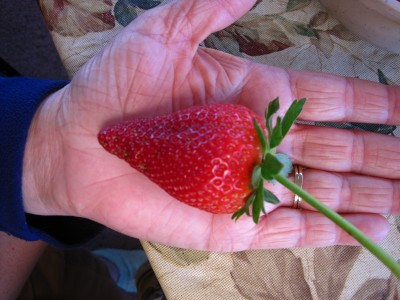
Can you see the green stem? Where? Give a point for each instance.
(381, 254)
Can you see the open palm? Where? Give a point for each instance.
(153, 67)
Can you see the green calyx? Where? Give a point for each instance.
(271, 164)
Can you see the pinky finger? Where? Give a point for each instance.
(285, 227)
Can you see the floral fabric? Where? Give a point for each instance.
(297, 34)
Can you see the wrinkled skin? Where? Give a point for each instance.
(154, 66)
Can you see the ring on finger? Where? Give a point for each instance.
(298, 180)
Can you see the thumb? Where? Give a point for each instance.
(192, 20)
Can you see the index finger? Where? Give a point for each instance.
(334, 98)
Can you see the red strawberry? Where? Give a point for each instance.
(203, 156)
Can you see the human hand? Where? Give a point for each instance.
(153, 67)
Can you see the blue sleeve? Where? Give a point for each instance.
(19, 99)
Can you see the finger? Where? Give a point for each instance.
(335, 98)
(340, 150)
(349, 193)
(286, 227)
(193, 20)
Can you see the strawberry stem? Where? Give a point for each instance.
(357, 234)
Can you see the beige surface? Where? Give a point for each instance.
(377, 21)
(297, 34)
(337, 272)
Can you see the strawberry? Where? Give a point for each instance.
(203, 156)
(217, 158)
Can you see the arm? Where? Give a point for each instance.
(20, 99)
(17, 261)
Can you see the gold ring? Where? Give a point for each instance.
(298, 179)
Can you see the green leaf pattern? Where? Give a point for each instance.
(293, 5)
(284, 31)
(126, 11)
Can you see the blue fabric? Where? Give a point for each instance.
(19, 100)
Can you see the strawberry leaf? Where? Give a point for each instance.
(258, 204)
(256, 176)
(270, 197)
(249, 203)
(246, 208)
(273, 107)
(237, 214)
(291, 115)
(271, 166)
(261, 137)
(276, 136)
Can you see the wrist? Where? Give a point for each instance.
(43, 159)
